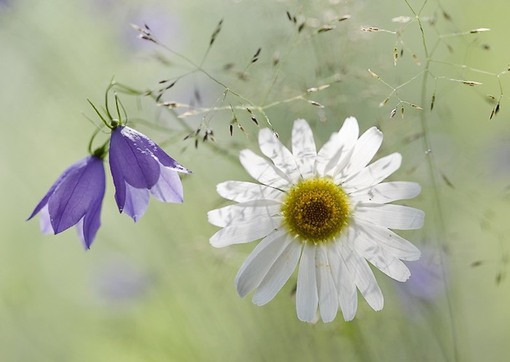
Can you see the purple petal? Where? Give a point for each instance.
(81, 235)
(79, 190)
(137, 162)
(167, 160)
(89, 224)
(74, 199)
(131, 158)
(45, 221)
(169, 186)
(118, 181)
(60, 179)
(137, 201)
(131, 162)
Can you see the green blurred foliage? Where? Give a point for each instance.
(156, 290)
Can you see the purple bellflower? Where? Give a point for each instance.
(140, 166)
(75, 199)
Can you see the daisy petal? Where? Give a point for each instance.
(303, 147)
(243, 212)
(262, 170)
(368, 248)
(278, 275)
(328, 295)
(258, 263)
(244, 232)
(247, 191)
(372, 174)
(282, 158)
(347, 293)
(393, 243)
(306, 293)
(337, 148)
(365, 281)
(388, 192)
(366, 148)
(391, 216)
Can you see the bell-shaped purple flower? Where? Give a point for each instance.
(138, 166)
(75, 199)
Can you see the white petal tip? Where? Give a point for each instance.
(414, 256)
(266, 133)
(351, 119)
(420, 219)
(216, 243)
(258, 302)
(403, 277)
(328, 319)
(242, 292)
(350, 313)
(378, 307)
(306, 319)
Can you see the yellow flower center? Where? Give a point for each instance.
(316, 210)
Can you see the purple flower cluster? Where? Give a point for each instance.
(138, 166)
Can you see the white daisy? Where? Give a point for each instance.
(326, 211)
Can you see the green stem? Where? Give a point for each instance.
(211, 145)
(431, 165)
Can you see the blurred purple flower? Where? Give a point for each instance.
(497, 157)
(138, 166)
(121, 281)
(426, 284)
(163, 19)
(75, 199)
(426, 281)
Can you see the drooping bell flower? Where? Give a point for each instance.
(75, 199)
(140, 166)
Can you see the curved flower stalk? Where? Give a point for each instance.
(75, 199)
(140, 166)
(325, 212)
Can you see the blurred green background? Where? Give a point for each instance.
(156, 290)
